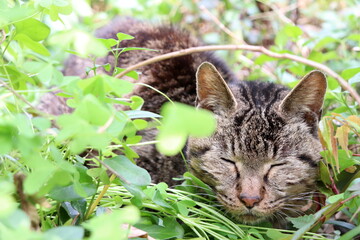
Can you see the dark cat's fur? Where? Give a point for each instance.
(262, 160)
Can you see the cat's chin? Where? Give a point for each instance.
(250, 219)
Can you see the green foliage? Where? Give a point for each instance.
(176, 128)
(70, 201)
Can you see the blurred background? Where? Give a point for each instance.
(326, 31)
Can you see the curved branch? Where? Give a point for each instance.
(343, 83)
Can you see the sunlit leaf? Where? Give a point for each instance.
(109, 226)
(179, 122)
(33, 28)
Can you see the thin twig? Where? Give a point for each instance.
(239, 40)
(343, 83)
(271, 14)
(17, 94)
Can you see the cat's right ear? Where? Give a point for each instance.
(212, 91)
(306, 97)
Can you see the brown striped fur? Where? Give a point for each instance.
(262, 161)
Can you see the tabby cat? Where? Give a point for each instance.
(262, 161)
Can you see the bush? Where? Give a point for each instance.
(44, 183)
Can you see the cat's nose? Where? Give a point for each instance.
(249, 201)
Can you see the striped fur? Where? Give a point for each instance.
(262, 161)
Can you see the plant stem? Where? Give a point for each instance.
(253, 48)
(96, 202)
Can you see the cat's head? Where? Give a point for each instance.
(262, 161)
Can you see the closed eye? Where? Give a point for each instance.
(233, 163)
(266, 177)
(227, 160)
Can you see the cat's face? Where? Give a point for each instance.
(262, 161)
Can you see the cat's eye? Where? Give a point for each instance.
(227, 160)
(266, 177)
(276, 165)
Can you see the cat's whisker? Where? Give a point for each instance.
(282, 215)
(308, 199)
(194, 186)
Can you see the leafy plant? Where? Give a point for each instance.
(44, 184)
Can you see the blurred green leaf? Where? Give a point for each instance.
(179, 122)
(65, 233)
(9, 15)
(31, 44)
(124, 36)
(33, 28)
(109, 226)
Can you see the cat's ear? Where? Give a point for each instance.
(212, 91)
(306, 97)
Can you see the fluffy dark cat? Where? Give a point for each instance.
(262, 161)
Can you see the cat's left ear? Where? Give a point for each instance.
(212, 91)
(306, 97)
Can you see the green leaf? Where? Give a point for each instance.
(288, 32)
(141, 114)
(39, 177)
(335, 198)
(354, 37)
(91, 110)
(179, 122)
(263, 59)
(277, 235)
(354, 185)
(18, 79)
(299, 222)
(137, 48)
(170, 229)
(133, 140)
(307, 226)
(33, 28)
(132, 74)
(281, 39)
(86, 44)
(8, 204)
(81, 133)
(118, 86)
(352, 234)
(128, 171)
(100, 85)
(136, 102)
(108, 42)
(31, 44)
(292, 31)
(76, 210)
(354, 79)
(7, 133)
(325, 41)
(184, 205)
(68, 193)
(9, 15)
(16, 220)
(46, 72)
(123, 36)
(140, 124)
(65, 233)
(56, 7)
(109, 226)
